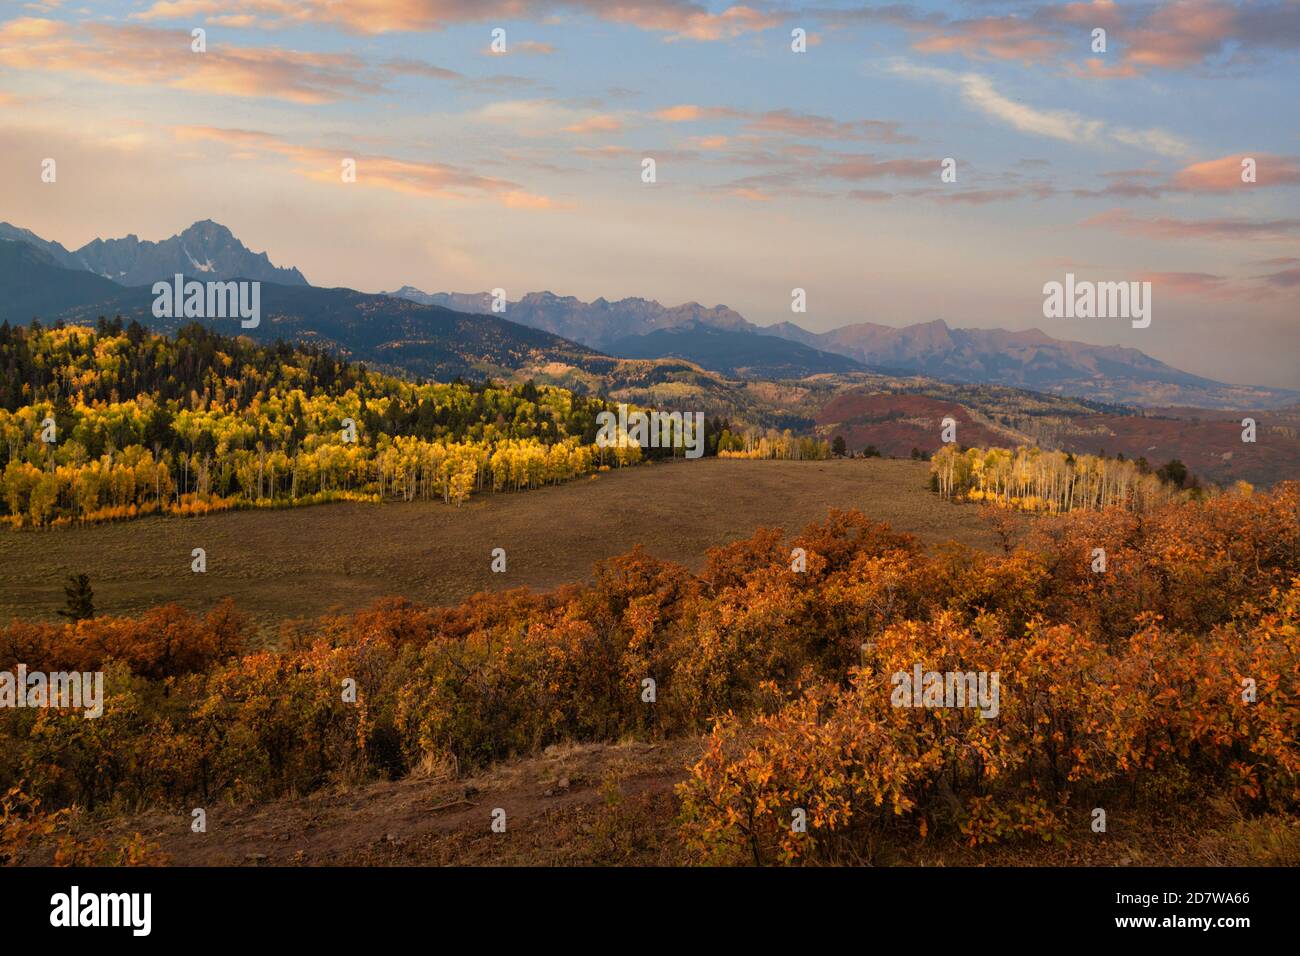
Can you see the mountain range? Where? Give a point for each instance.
(385, 332)
(717, 338)
(1031, 359)
(765, 378)
(597, 324)
(1028, 359)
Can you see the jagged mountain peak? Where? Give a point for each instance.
(597, 323)
(205, 249)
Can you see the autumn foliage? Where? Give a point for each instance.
(1035, 479)
(110, 424)
(1114, 685)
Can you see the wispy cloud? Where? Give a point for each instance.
(979, 92)
(136, 55)
(1170, 35)
(1169, 227)
(676, 19)
(373, 171)
(1187, 283)
(788, 122)
(870, 167)
(603, 123)
(1206, 285)
(1284, 279)
(524, 47)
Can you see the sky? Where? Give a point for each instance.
(522, 169)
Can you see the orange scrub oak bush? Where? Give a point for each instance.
(1112, 685)
(1095, 705)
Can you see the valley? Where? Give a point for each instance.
(303, 562)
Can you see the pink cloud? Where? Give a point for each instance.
(1000, 38)
(1181, 34)
(147, 56)
(1224, 174)
(1167, 227)
(787, 122)
(596, 124)
(373, 171)
(678, 19)
(1171, 35)
(981, 197)
(868, 167)
(1185, 283)
(688, 113)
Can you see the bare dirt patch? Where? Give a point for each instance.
(608, 804)
(572, 804)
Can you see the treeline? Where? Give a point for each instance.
(1116, 687)
(115, 422)
(771, 444)
(1031, 479)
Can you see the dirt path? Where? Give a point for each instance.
(603, 804)
(578, 803)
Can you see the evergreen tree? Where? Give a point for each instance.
(80, 599)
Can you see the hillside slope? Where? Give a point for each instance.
(383, 331)
(739, 354)
(1031, 359)
(34, 285)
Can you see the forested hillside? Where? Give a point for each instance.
(116, 422)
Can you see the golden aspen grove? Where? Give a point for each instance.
(141, 424)
(1033, 479)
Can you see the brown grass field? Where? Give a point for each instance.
(302, 562)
